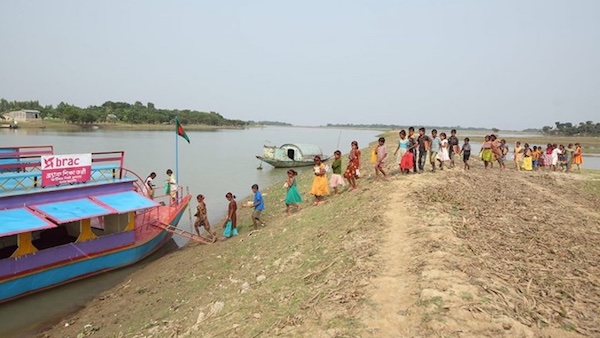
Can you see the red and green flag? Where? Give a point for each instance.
(180, 131)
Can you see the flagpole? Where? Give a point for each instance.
(176, 149)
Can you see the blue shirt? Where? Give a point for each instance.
(435, 144)
(259, 203)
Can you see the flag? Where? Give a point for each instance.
(179, 130)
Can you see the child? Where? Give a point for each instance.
(292, 196)
(503, 152)
(548, 156)
(518, 155)
(528, 159)
(443, 155)
(258, 205)
(486, 152)
(171, 183)
(453, 146)
(149, 185)
(351, 173)
(319, 186)
(555, 154)
(466, 153)
(569, 152)
(578, 157)
(336, 177)
(434, 147)
(381, 156)
(562, 158)
(202, 218)
(230, 225)
(402, 147)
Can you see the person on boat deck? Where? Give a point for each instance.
(202, 218)
(230, 225)
(149, 185)
(259, 205)
(172, 183)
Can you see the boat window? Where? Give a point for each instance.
(8, 245)
(291, 153)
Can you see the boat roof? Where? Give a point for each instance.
(19, 220)
(28, 206)
(306, 149)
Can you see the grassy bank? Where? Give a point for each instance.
(453, 253)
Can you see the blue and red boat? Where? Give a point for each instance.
(67, 217)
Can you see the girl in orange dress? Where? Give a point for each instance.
(578, 156)
(351, 173)
(319, 186)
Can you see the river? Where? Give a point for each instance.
(214, 163)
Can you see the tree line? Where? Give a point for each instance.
(113, 112)
(587, 128)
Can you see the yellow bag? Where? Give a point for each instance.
(373, 155)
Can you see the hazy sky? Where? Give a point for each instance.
(510, 64)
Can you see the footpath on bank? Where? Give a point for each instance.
(463, 254)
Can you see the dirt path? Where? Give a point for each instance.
(433, 281)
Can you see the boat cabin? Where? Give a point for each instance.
(66, 206)
(292, 152)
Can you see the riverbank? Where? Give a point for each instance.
(62, 126)
(420, 255)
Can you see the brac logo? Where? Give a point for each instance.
(66, 161)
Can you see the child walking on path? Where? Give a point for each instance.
(486, 152)
(578, 157)
(443, 154)
(202, 219)
(402, 147)
(466, 153)
(259, 206)
(319, 186)
(518, 155)
(336, 177)
(230, 225)
(351, 173)
(292, 196)
(380, 162)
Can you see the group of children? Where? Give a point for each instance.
(554, 157)
(415, 150)
(412, 153)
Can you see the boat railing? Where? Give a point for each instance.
(23, 173)
(22, 159)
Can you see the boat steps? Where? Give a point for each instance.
(183, 233)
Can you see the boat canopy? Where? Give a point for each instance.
(123, 202)
(305, 149)
(19, 220)
(73, 210)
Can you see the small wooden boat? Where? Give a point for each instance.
(67, 217)
(291, 155)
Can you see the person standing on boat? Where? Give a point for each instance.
(149, 185)
(171, 183)
(202, 218)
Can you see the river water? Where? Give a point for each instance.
(214, 163)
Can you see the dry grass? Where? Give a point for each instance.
(531, 243)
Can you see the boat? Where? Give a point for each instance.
(291, 155)
(64, 217)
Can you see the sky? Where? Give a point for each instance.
(507, 64)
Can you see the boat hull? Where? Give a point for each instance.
(288, 163)
(48, 277)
